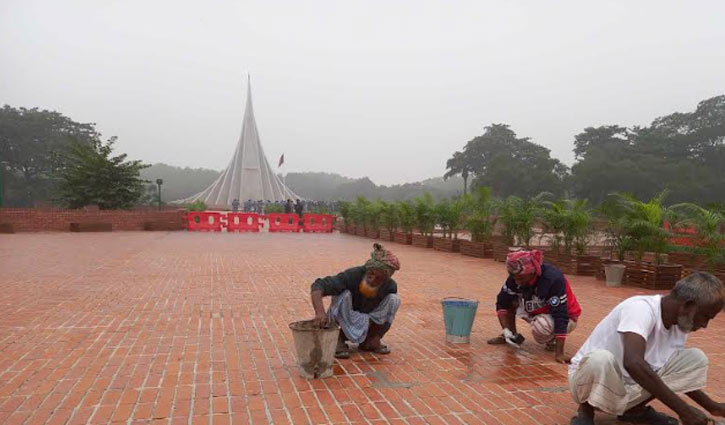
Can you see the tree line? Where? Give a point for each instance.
(683, 153)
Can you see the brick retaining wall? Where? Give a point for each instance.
(59, 220)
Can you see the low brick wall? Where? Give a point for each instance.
(58, 220)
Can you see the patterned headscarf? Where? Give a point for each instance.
(524, 262)
(383, 259)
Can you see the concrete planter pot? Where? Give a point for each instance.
(614, 274)
(446, 245)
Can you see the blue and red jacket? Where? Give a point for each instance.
(549, 294)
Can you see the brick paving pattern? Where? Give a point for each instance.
(191, 328)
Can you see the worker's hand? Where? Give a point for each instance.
(321, 320)
(694, 416)
(562, 358)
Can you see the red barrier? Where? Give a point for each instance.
(683, 236)
(283, 222)
(204, 221)
(243, 222)
(321, 223)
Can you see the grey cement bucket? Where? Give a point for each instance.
(315, 348)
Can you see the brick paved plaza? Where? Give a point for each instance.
(191, 328)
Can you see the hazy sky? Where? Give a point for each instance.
(383, 89)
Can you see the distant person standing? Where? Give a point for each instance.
(235, 205)
(299, 208)
(288, 207)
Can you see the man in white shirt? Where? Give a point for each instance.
(636, 354)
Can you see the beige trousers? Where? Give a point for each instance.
(598, 380)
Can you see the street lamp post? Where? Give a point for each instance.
(159, 182)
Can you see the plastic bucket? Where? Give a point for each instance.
(614, 274)
(458, 314)
(315, 348)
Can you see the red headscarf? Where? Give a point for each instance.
(524, 262)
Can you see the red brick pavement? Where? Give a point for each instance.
(191, 328)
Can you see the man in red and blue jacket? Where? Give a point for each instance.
(541, 295)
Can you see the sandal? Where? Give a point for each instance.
(382, 349)
(342, 354)
(649, 416)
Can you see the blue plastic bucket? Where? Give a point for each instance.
(458, 314)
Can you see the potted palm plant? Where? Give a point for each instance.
(389, 220)
(644, 224)
(479, 223)
(372, 219)
(517, 216)
(449, 216)
(424, 221)
(406, 217)
(359, 214)
(617, 240)
(345, 209)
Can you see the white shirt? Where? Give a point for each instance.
(643, 316)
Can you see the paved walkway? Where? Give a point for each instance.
(191, 328)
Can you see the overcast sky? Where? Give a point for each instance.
(383, 89)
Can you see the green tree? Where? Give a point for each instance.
(459, 163)
(682, 153)
(92, 176)
(513, 166)
(32, 143)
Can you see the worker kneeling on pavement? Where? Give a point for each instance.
(637, 353)
(540, 295)
(364, 302)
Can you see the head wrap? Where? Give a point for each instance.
(383, 259)
(524, 262)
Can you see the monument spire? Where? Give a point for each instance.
(248, 175)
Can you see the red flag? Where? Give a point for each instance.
(281, 161)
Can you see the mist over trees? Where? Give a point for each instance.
(683, 153)
(179, 182)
